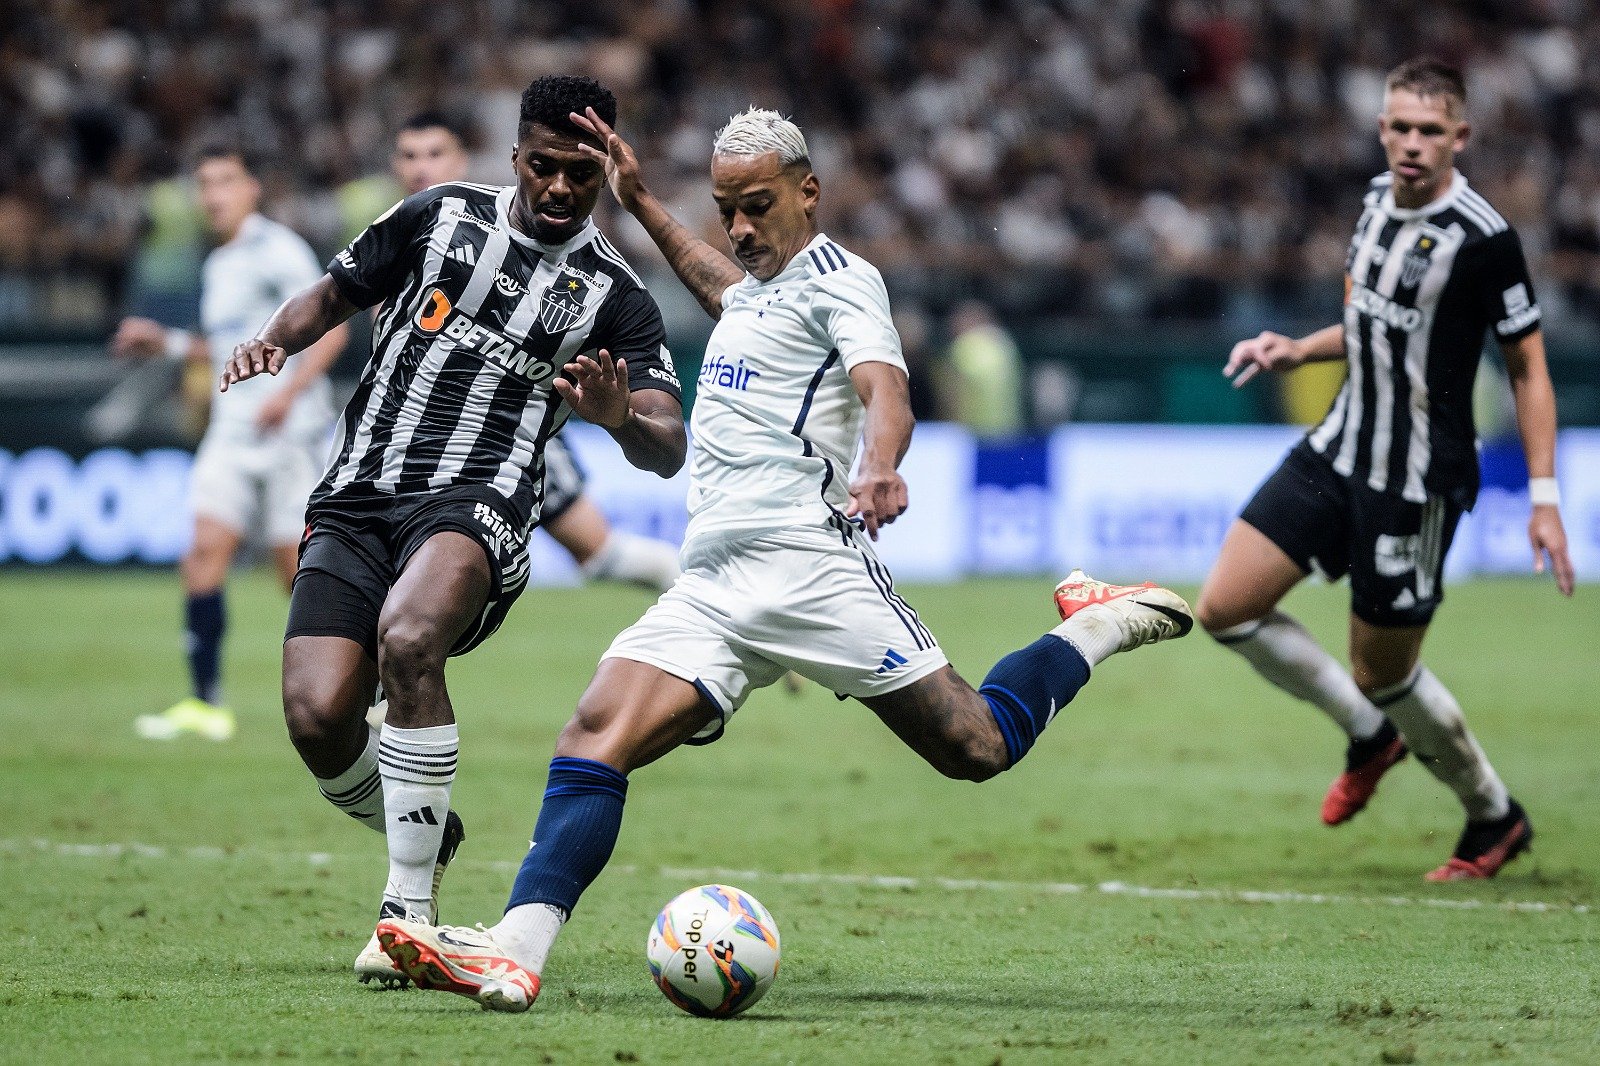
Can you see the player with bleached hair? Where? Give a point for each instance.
(779, 569)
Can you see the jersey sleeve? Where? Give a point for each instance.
(1507, 288)
(851, 308)
(630, 328)
(374, 265)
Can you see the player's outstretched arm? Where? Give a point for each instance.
(878, 493)
(1536, 423)
(303, 319)
(1274, 351)
(704, 271)
(647, 425)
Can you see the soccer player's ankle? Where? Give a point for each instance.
(1095, 634)
(528, 931)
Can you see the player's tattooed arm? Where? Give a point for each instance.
(878, 493)
(704, 271)
(303, 320)
(647, 425)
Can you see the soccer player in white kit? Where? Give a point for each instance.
(267, 440)
(779, 570)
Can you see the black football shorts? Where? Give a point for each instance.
(349, 561)
(1393, 549)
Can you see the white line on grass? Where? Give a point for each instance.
(716, 873)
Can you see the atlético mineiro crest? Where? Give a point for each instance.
(1416, 262)
(562, 303)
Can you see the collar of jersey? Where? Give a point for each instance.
(502, 218)
(248, 229)
(1458, 185)
(796, 267)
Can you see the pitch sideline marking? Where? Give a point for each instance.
(949, 884)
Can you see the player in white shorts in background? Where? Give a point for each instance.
(429, 150)
(779, 570)
(267, 440)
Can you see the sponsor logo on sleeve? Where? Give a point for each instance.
(1521, 311)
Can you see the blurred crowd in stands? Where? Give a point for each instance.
(1126, 160)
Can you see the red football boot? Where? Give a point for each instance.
(1365, 763)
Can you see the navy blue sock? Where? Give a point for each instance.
(576, 831)
(1028, 687)
(205, 621)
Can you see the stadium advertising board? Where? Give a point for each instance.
(1122, 501)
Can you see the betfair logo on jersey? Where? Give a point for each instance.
(719, 371)
(1384, 309)
(435, 316)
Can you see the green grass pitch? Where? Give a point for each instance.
(229, 933)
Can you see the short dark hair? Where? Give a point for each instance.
(436, 120)
(1427, 76)
(551, 99)
(228, 150)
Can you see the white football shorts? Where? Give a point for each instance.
(749, 607)
(256, 487)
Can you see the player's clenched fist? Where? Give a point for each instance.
(253, 357)
(1269, 351)
(877, 497)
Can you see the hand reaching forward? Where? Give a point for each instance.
(599, 389)
(251, 358)
(1269, 351)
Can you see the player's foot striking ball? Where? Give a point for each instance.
(779, 567)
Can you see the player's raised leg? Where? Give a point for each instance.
(974, 734)
(631, 714)
(1386, 660)
(1238, 606)
(205, 572)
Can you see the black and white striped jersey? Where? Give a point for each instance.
(478, 320)
(1424, 286)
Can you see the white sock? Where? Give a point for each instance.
(418, 767)
(1096, 634)
(358, 791)
(528, 932)
(1285, 653)
(634, 560)
(1430, 719)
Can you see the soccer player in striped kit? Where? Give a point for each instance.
(1376, 490)
(504, 310)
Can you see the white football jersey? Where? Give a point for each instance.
(242, 284)
(777, 421)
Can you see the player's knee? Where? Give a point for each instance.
(1217, 615)
(318, 715)
(974, 755)
(409, 649)
(594, 730)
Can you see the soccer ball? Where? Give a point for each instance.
(713, 951)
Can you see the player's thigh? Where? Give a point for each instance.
(443, 588)
(688, 634)
(1397, 555)
(818, 601)
(942, 719)
(205, 564)
(1250, 577)
(633, 713)
(1381, 656)
(224, 485)
(475, 608)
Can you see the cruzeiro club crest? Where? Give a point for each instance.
(1416, 262)
(562, 303)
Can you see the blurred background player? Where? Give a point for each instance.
(430, 149)
(267, 440)
(1376, 489)
(803, 375)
